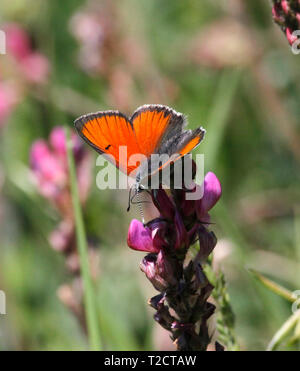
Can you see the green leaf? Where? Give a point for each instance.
(273, 286)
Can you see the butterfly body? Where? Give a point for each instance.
(151, 130)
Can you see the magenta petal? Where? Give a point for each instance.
(212, 193)
(139, 237)
(285, 6)
(289, 35)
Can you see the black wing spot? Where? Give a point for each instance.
(108, 147)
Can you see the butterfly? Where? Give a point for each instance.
(152, 129)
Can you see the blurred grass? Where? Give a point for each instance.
(91, 310)
(250, 126)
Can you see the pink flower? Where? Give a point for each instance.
(50, 167)
(33, 65)
(49, 172)
(17, 41)
(143, 238)
(170, 231)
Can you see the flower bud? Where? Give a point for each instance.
(289, 35)
(149, 267)
(207, 241)
(211, 195)
(165, 268)
(285, 6)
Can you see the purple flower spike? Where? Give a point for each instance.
(212, 193)
(140, 237)
(182, 305)
(163, 203)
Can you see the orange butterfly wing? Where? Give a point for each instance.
(150, 124)
(106, 131)
(151, 129)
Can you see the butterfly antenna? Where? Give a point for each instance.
(129, 199)
(140, 205)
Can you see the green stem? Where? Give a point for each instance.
(89, 295)
(284, 330)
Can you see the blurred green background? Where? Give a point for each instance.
(227, 67)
